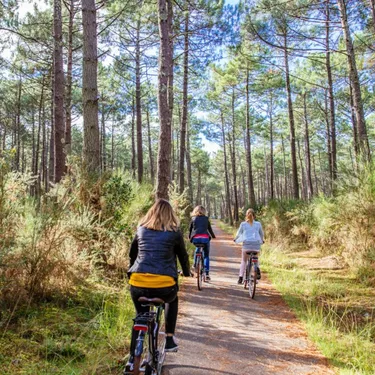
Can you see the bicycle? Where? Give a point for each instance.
(199, 265)
(250, 281)
(149, 352)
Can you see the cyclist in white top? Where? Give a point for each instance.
(250, 233)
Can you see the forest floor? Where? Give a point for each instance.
(222, 331)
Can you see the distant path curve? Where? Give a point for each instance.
(221, 331)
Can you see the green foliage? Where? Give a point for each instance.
(343, 225)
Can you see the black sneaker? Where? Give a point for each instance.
(129, 367)
(240, 280)
(208, 278)
(258, 273)
(170, 345)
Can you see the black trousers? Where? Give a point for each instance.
(169, 295)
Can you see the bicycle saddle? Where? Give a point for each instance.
(156, 301)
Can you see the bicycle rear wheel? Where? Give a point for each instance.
(141, 356)
(198, 271)
(252, 280)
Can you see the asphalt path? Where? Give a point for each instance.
(220, 330)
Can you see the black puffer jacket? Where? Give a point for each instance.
(200, 225)
(156, 252)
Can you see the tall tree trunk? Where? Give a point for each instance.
(199, 189)
(228, 204)
(310, 189)
(58, 100)
(266, 175)
(51, 135)
(188, 167)
(291, 122)
(234, 171)
(151, 159)
(184, 106)
(303, 179)
(329, 139)
(113, 148)
(138, 102)
(165, 96)
(356, 86)
(69, 80)
(91, 146)
(354, 122)
(330, 95)
(372, 6)
(18, 126)
(284, 168)
(250, 180)
(133, 139)
(103, 152)
(272, 167)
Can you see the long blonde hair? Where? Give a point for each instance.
(199, 211)
(250, 216)
(161, 217)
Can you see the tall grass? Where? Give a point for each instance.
(343, 225)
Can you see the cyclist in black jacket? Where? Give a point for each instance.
(153, 254)
(200, 231)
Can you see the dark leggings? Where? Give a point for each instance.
(169, 295)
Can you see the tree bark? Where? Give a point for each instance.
(165, 96)
(356, 86)
(184, 106)
(291, 123)
(91, 145)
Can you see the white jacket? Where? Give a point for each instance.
(250, 233)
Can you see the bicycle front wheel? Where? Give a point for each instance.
(252, 281)
(247, 277)
(160, 344)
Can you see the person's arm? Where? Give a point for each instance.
(238, 234)
(182, 254)
(133, 253)
(261, 233)
(190, 229)
(210, 231)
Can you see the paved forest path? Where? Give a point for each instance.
(221, 331)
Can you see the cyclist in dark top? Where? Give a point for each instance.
(200, 231)
(153, 266)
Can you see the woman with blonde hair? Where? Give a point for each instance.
(200, 232)
(250, 233)
(153, 265)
